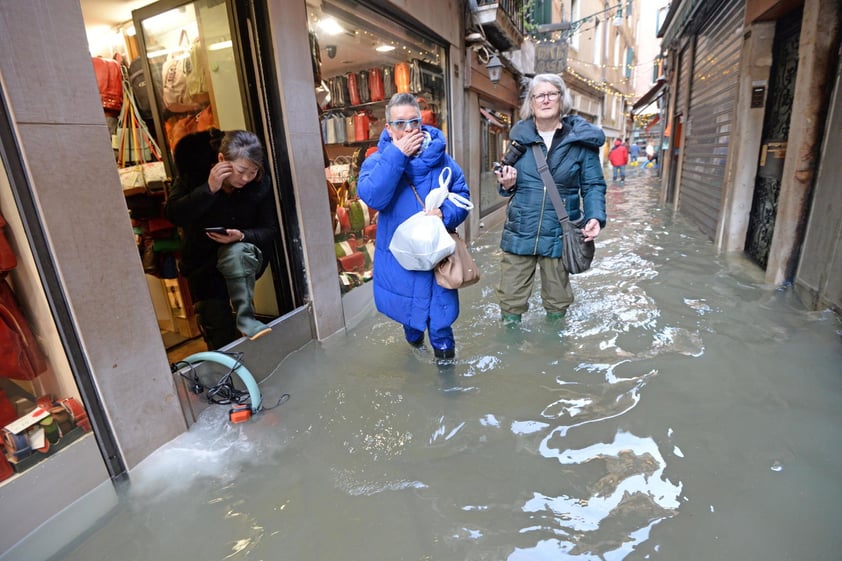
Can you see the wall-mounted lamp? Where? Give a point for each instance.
(495, 69)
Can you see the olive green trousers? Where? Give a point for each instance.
(517, 275)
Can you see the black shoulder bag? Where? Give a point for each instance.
(577, 254)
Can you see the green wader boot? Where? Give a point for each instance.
(238, 263)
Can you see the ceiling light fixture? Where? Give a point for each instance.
(330, 26)
(384, 48)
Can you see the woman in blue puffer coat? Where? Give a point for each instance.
(532, 233)
(409, 154)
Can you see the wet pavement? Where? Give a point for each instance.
(683, 410)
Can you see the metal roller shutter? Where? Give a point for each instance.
(713, 94)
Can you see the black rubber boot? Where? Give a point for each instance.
(216, 322)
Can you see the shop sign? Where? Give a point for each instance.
(551, 58)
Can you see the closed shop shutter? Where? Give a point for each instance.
(713, 93)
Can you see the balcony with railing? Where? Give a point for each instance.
(502, 21)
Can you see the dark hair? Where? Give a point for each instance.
(243, 145)
(402, 99)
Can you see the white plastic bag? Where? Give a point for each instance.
(422, 240)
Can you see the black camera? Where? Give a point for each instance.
(511, 156)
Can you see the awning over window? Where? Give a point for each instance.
(491, 118)
(654, 93)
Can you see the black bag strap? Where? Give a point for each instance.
(549, 183)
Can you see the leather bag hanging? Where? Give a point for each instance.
(176, 95)
(415, 76)
(428, 113)
(361, 126)
(577, 254)
(365, 92)
(402, 77)
(109, 80)
(20, 355)
(389, 88)
(375, 84)
(353, 88)
(8, 259)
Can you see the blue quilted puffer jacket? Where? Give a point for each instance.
(532, 226)
(409, 297)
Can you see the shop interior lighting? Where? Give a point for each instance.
(384, 48)
(330, 26)
(221, 45)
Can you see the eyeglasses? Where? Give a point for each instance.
(403, 125)
(552, 96)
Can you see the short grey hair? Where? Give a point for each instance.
(402, 99)
(243, 145)
(555, 80)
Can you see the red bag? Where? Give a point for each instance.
(402, 77)
(20, 356)
(375, 84)
(353, 263)
(353, 88)
(428, 113)
(8, 259)
(361, 126)
(109, 80)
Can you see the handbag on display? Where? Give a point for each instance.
(459, 269)
(365, 93)
(20, 356)
(338, 121)
(139, 158)
(415, 76)
(389, 88)
(428, 113)
(109, 80)
(8, 259)
(176, 68)
(361, 126)
(577, 254)
(375, 84)
(353, 88)
(402, 77)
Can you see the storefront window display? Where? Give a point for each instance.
(494, 136)
(360, 59)
(40, 408)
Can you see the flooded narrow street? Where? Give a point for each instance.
(683, 410)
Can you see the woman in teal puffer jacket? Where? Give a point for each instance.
(532, 233)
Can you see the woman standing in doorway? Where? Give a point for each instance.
(532, 233)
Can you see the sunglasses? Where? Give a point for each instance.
(403, 125)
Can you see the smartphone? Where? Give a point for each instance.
(217, 230)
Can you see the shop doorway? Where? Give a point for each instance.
(226, 44)
(767, 184)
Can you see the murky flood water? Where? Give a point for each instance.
(682, 411)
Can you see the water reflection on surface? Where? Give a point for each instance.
(683, 410)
